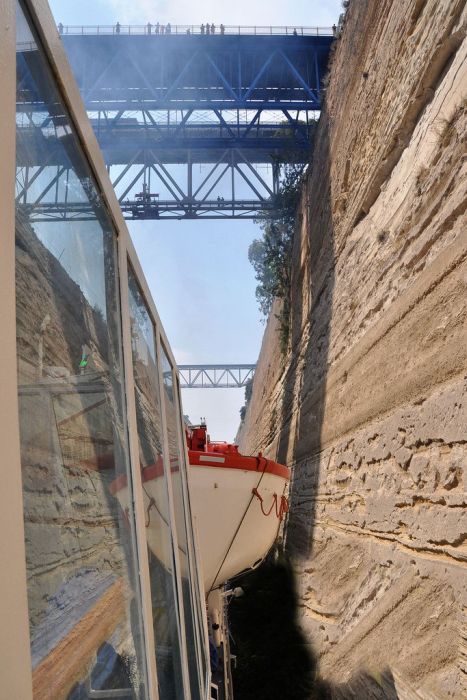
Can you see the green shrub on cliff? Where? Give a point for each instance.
(248, 393)
(271, 254)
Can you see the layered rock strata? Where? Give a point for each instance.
(369, 404)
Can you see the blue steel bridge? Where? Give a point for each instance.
(190, 125)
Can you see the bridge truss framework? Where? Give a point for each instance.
(215, 376)
(189, 126)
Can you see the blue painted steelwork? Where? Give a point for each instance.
(117, 73)
(191, 126)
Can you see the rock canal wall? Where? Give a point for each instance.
(369, 405)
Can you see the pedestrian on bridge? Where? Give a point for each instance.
(162, 29)
(158, 28)
(202, 29)
(60, 28)
(149, 27)
(168, 29)
(213, 28)
(222, 29)
(117, 28)
(208, 28)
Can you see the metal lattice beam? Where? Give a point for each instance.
(215, 376)
(197, 72)
(189, 126)
(44, 193)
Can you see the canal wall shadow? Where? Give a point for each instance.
(274, 660)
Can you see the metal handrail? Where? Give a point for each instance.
(192, 29)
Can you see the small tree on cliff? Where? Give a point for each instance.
(271, 255)
(248, 393)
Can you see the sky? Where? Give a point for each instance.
(198, 271)
(242, 12)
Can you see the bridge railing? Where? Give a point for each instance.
(191, 29)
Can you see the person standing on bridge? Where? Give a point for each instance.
(222, 29)
(168, 29)
(162, 29)
(158, 28)
(213, 28)
(208, 28)
(202, 29)
(117, 28)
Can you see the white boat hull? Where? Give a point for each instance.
(237, 516)
(233, 532)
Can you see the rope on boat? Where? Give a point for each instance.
(281, 510)
(259, 460)
(281, 506)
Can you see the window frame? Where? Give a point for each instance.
(14, 623)
(16, 668)
(197, 579)
(49, 42)
(159, 343)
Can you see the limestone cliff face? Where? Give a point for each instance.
(370, 404)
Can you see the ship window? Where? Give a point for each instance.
(83, 591)
(181, 515)
(199, 604)
(155, 496)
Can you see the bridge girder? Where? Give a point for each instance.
(189, 126)
(215, 376)
(197, 72)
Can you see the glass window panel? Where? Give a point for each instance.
(199, 603)
(83, 586)
(177, 463)
(155, 495)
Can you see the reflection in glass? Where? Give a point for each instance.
(197, 593)
(84, 606)
(155, 494)
(180, 505)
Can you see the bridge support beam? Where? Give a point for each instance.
(215, 376)
(189, 126)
